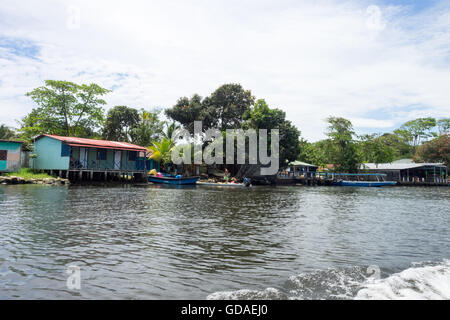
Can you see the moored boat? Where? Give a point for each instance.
(346, 183)
(361, 180)
(212, 184)
(174, 180)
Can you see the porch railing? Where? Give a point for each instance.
(104, 165)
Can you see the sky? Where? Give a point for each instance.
(377, 63)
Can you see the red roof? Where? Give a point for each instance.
(92, 143)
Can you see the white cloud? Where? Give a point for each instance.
(358, 60)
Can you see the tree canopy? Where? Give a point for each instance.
(343, 150)
(186, 111)
(417, 130)
(260, 116)
(223, 109)
(65, 108)
(227, 105)
(436, 150)
(120, 121)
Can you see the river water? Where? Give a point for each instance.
(153, 242)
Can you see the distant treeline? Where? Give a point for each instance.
(69, 109)
(423, 139)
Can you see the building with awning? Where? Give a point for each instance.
(71, 154)
(408, 171)
(300, 168)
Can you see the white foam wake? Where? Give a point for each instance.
(426, 281)
(419, 283)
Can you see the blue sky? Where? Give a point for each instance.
(377, 63)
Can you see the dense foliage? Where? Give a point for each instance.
(436, 150)
(65, 108)
(346, 151)
(70, 109)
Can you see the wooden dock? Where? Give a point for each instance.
(320, 179)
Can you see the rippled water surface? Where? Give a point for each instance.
(193, 243)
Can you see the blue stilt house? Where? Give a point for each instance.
(78, 157)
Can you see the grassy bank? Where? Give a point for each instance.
(28, 174)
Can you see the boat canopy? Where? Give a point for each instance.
(352, 174)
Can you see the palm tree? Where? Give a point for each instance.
(171, 128)
(162, 151)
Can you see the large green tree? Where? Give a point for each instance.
(344, 153)
(417, 131)
(120, 122)
(316, 153)
(373, 149)
(227, 105)
(223, 109)
(261, 116)
(436, 150)
(65, 108)
(186, 111)
(402, 149)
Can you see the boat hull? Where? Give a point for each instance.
(346, 183)
(174, 181)
(211, 184)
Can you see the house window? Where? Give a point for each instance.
(65, 150)
(3, 155)
(101, 154)
(132, 155)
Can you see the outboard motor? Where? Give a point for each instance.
(247, 182)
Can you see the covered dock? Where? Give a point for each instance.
(410, 172)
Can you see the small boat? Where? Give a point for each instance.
(361, 180)
(346, 183)
(174, 180)
(212, 184)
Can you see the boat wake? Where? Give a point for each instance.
(421, 281)
(430, 282)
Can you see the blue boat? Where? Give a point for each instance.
(174, 180)
(345, 183)
(361, 180)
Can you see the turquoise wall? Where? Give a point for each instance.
(94, 163)
(10, 146)
(13, 149)
(48, 152)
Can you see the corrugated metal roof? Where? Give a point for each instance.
(399, 166)
(96, 143)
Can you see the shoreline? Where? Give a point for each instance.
(16, 180)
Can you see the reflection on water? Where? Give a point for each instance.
(164, 242)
